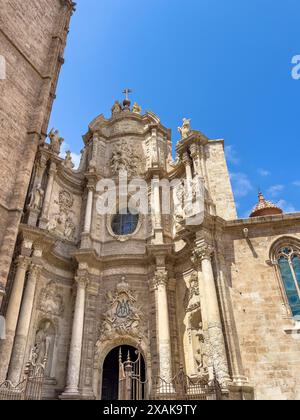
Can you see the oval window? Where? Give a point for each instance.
(125, 223)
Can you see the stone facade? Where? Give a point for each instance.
(32, 38)
(205, 297)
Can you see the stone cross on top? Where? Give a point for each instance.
(126, 102)
(126, 93)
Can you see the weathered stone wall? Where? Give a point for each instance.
(32, 39)
(270, 354)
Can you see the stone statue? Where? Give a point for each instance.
(116, 109)
(68, 163)
(201, 353)
(37, 196)
(42, 343)
(136, 109)
(185, 130)
(69, 229)
(55, 141)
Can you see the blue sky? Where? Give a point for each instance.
(224, 64)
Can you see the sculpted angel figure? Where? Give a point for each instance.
(55, 141)
(185, 130)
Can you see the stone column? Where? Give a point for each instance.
(156, 210)
(12, 315)
(163, 326)
(18, 353)
(72, 389)
(46, 207)
(89, 210)
(202, 258)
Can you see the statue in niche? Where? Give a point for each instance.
(68, 163)
(137, 109)
(70, 229)
(37, 197)
(43, 340)
(201, 357)
(55, 141)
(192, 299)
(185, 130)
(116, 109)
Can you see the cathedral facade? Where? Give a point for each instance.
(131, 277)
(198, 293)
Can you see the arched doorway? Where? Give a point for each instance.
(124, 374)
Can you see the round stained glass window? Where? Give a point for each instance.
(125, 223)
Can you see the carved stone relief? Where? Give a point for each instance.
(125, 159)
(51, 300)
(62, 222)
(123, 317)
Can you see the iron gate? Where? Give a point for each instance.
(132, 386)
(30, 388)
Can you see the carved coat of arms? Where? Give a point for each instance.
(123, 317)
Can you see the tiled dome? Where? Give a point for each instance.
(265, 208)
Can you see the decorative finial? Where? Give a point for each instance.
(126, 102)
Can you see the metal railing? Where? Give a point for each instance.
(30, 388)
(182, 387)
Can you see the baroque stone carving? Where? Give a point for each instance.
(37, 197)
(68, 163)
(55, 141)
(116, 109)
(136, 109)
(192, 300)
(43, 340)
(160, 278)
(51, 300)
(125, 159)
(201, 355)
(217, 353)
(62, 223)
(185, 130)
(171, 162)
(123, 316)
(199, 254)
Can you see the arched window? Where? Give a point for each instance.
(125, 223)
(289, 265)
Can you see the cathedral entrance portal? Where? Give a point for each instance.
(124, 375)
